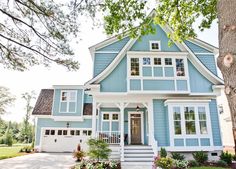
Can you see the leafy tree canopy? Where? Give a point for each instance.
(6, 99)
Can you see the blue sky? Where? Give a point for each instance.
(40, 77)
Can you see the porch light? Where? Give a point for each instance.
(67, 124)
(137, 108)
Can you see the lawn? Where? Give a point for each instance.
(9, 152)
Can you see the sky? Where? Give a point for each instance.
(40, 77)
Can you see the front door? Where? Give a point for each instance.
(135, 129)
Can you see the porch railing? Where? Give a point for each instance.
(110, 137)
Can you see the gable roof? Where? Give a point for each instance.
(44, 103)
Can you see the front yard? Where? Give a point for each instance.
(9, 152)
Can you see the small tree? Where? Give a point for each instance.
(98, 149)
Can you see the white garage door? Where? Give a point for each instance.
(64, 140)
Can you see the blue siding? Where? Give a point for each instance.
(203, 85)
(158, 72)
(135, 84)
(209, 62)
(147, 71)
(195, 48)
(56, 104)
(161, 123)
(182, 85)
(169, 72)
(160, 35)
(88, 99)
(159, 85)
(116, 80)
(205, 141)
(117, 46)
(179, 142)
(192, 142)
(43, 122)
(215, 123)
(101, 61)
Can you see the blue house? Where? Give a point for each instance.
(144, 95)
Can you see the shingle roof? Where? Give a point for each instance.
(44, 103)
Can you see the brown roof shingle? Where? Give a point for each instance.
(44, 103)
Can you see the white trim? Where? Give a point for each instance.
(68, 101)
(67, 118)
(157, 54)
(192, 148)
(68, 87)
(198, 53)
(184, 101)
(129, 128)
(150, 45)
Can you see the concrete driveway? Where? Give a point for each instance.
(39, 161)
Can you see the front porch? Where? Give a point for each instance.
(124, 123)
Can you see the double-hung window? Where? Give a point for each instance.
(68, 101)
(134, 64)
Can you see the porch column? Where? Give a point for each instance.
(150, 123)
(94, 118)
(122, 131)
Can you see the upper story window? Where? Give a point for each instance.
(168, 61)
(146, 61)
(155, 45)
(68, 101)
(134, 64)
(180, 67)
(157, 61)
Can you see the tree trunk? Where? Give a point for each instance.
(227, 53)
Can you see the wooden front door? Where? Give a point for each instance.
(135, 127)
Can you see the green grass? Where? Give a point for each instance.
(9, 152)
(207, 168)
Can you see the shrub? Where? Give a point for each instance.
(78, 155)
(26, 149)
(177, 156)
(227, 157)
(8, 139)
(163, 153)
(200, 157)
(164, 162)
(193, 163)
(181, 164)
(98, 149)
(222, 163)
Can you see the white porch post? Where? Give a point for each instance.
(94, 118)
(122, 131)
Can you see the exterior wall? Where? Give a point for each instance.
(106, 55)
(88, 99)
(215, 125)
(56, 103)
(160, 35)
(116, 81)
(198, 83)
(46, 122)
(161, 123)
(196, 48)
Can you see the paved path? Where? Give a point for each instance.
(39, 161)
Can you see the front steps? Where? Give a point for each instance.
(138, 157)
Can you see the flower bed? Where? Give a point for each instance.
(90, 164)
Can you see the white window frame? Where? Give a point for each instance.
(110, 120)
(183, 134)
(150, 45)
(68, 101)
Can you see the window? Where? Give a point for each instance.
(105, 116)
(134, 66)
(180, 67)
(68, 101)
(89, 132)
(168, 61)
(155, 46)
(77, 133)
(177, 120)
(157, 61)
(52, 132)
(59, 132)
(72, 132)
(202, 120)
(64, 132)
(146, 61)
(115, 117)
(189, 115)
(47, 132)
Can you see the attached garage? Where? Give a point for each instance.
(64, 139)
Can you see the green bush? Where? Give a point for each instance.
(79, 155)
(193, 163)
(222, 163)
(200, 157)
(26, 149)
(227, 157)
(98, 149)
(181, 164)
(177, 156)
(164, 162)
(163, 153)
